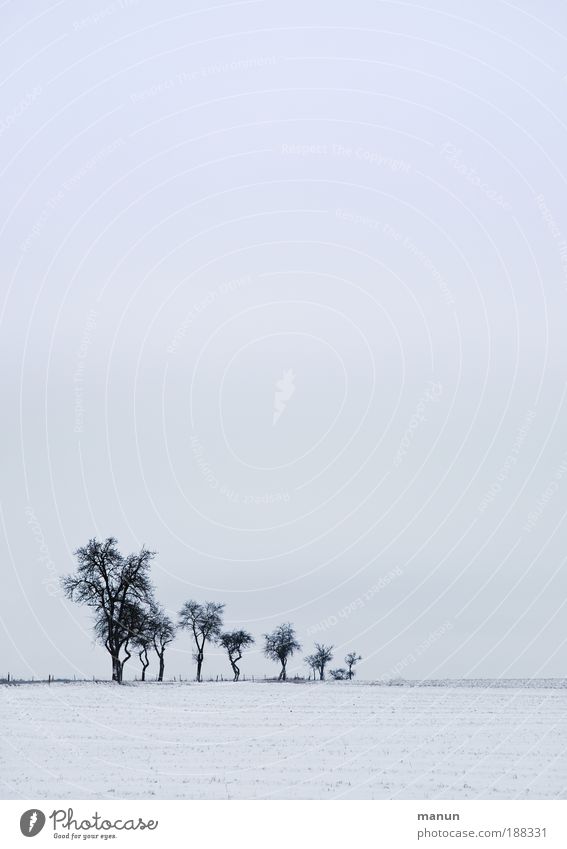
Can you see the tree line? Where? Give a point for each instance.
(128, 619)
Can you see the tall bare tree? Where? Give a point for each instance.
(280, 645)
(235, 642)
(110, 584)
(205, 623)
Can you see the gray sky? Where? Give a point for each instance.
(284, 292)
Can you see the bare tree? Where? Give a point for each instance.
(205, 623)
(311, 662)
(280, 645)
(144, 660)
(128, 631)
(351, 660)
(149, 627)
(235, 642)
(162, 632)
(339, 674)
(110, 584)
(141, 635)
(323, 655)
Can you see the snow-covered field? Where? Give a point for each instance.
(293, 741)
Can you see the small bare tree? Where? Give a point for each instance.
(235, 642)
(351, 660)
(280, 645)
(110, 584)
(339, 674)
(144, 660)
(128, 631)
(205, 623)
(323, 655)
(311, 662)
(141, 635)
(145, 627)
(162, 632)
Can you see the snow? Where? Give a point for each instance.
(283, 741)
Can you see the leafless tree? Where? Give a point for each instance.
(311, 662)
(148, 627)
(205, 623)
(339, 674)
(144, 660)
(235, 642)
(280, 645)
(129, 631)
(322, 656)
(351, 660)
(142, 637)
(111, 585)
(162, 632)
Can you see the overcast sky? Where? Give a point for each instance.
(284, 297)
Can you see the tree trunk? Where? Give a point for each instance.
(199, 664)
(161, 666)
(234, 664)
(113, 647)
(283, 675)
(116, 669)
(322, 673)
(122, 662)
(143, 655)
